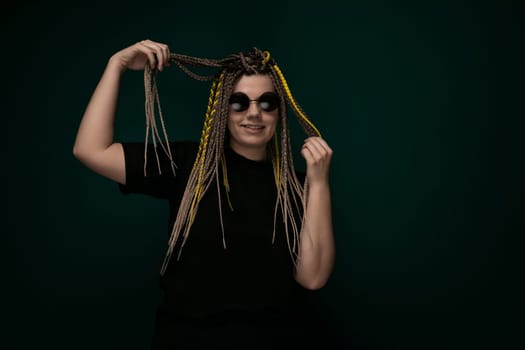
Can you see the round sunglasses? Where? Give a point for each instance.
(269, 101)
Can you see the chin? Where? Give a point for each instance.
(253, 140)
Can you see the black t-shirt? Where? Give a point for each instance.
(249, 281)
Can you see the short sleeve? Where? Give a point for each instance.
(159, 179)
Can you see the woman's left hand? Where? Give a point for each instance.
(317, 154)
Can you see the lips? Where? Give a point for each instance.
(252, 126)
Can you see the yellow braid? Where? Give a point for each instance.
(225, 181)
(292, 100)
(266, 57)
(203, 145)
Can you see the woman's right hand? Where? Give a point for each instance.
(144, 52)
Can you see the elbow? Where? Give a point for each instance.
(77, 153)
(312, 283)
(315, 275)
(81, 155)
(81, 151)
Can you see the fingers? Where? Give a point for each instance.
(317, 154)
(316, 149)
(158, 54)
(319, 143)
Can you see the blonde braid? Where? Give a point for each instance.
(312, 130)
(152, 96)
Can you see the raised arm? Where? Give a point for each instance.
(94, 144)
(317, 248)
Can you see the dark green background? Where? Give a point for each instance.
(415, 98)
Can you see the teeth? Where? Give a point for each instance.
(253, 126)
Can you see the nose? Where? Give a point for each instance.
(254, 109)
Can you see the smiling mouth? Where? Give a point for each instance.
(252, 127)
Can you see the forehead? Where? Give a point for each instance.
(254, 85)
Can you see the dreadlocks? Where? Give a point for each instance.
(210, 154)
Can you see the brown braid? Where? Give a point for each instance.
(291, 196)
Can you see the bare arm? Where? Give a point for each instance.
(317, 247)
(94, 144)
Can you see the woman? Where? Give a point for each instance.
(246, 229)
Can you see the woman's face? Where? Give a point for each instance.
(251, 129)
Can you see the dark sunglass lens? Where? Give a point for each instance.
(269, 101)
(239, 102)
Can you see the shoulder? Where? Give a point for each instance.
(177, 147)
(156, 155)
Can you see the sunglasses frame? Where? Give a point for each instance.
(245, 101)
